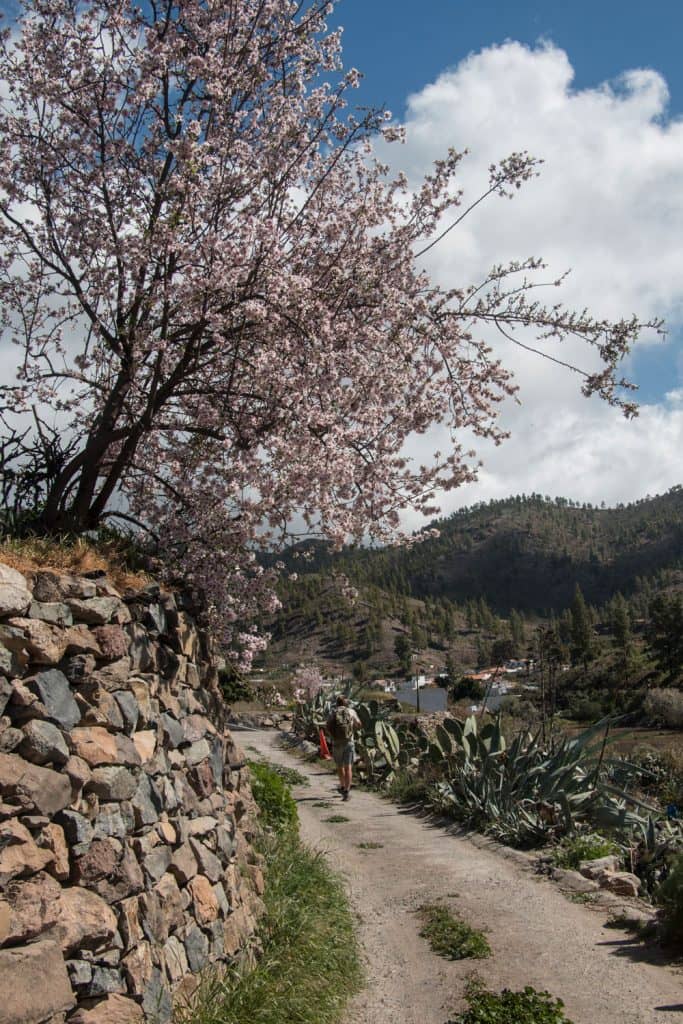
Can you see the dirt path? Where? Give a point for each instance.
(538, 936)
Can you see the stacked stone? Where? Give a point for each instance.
(125, 822)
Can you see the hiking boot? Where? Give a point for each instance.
(345, 794)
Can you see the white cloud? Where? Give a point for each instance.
(609, 205)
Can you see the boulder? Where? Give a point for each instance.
(138, 968)
(145, 743)
(115, 1009)
(15, 597)
(97, 747)
(80, 641)
(129, 709)
(54, 692)
(97, 611)
(53, 839)
(113, 641)
(175, 959)
(112, 782)
(35, 787)
(34, 907)
(45, 644)
(208, 862)
(196, 949)
(204, 899)
(85, 920)
(129, 923)
(594, 868)
(55, 612)
(34, 984)
(43, 743)
(110, 869)
(622, 883)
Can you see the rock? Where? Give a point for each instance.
(195, 728)
(129, 709)
(145, 743)
(106, 980)
(129, 923)
(140, 690)
(78, 771)
(104, 711)
(573, 881)
(146, 802)
(9, 740)
(154, 618)
(115, 1009)
(55, 612)
(204, 899)
(19, 853)
(171, 901)
(205, 825)
(209, 864)
(166, 832)
(85, 920)
(97, 611)
(12, 665)
(80, 972)
(46, 790)
(594, 868)
(5, 921)
(196, 949)
(138, 968)
(53, 690)
(154, 921)
(237, 931)
(98, 747)
(15, 597)
(43, 743)
(34, 907)
(183, 864)
(77, 829)
(622, 883)
(202, 779)
(78, 668)
(46, 587)
(157, 1003)
(223, 904)
(172, 730)
(140, 648)
(114, 676)
(81, 642)
(156, 862)
(112, 782)
(225, 842)
(101, 860)
(53, 839)
(44, 643)
(113, 641)
(34, 984)
(197, 752)
(111, 870)
(175, 959)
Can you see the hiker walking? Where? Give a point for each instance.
(341, 725)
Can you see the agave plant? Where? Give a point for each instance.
(524, 793)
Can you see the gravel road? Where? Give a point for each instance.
(538, 935)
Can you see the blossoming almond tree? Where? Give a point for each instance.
(216, 289)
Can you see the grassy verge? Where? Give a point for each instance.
(310, 964)
(451, 938)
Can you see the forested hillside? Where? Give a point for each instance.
(529, 553)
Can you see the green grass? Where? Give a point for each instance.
(310, 964)
(370, 846)
(322, 803)
(336, 819)
(507, 1007)
(450, 937)
(276, 806)
(573, 849)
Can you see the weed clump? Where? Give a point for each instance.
(574, 849)
(277, 810)
(451, 938)
(507, 1007)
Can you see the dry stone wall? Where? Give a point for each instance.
(125, 811)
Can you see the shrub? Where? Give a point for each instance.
(664, 707)
(451, 938)
(277, 809)
(670, 896)
(573, 849)
(525, 1007)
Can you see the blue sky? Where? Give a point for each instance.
(401, 45)
(610, 196)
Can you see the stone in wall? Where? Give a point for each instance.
(125, 857)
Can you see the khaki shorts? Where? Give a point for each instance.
(344, 753)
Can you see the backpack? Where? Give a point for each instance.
(343, 724)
